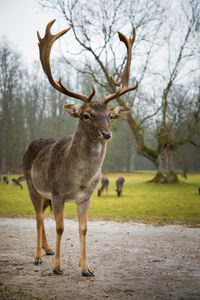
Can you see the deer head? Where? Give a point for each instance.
(94, 116)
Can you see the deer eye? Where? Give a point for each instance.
(86, 116)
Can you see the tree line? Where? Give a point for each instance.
(162, 130)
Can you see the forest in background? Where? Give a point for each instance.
(30, 108)
(165, 115)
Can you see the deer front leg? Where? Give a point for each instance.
(82, 211)
(58, 209)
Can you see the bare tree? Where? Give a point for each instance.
(167, 56)
(11, 120)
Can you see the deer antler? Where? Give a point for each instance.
(45, 46)
(123, 83)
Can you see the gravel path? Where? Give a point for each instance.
(130, 261)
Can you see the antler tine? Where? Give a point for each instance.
(74, 95)
(124, 76)
(93, 93)
(45, 46)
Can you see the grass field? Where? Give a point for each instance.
(141, 201)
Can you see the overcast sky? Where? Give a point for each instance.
(19, 22)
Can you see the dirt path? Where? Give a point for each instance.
(130, 261)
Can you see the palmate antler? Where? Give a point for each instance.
(45, 46)
(123, 83)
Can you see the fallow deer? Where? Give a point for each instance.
(119, 185)
(16, 182)
(5, 179)
(21, 178)
(68, 169)
(104, 186)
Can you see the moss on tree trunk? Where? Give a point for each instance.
(171, 177)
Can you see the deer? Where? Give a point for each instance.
(21, 178)
(104, 186)
(119, 185)
(16, 182)
(68, 169)
(5, 179)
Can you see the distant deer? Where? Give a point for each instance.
(21, 178)
(5, 179)
(104, 186)
(69, 169)
(16, 182)
(184, 174)
(119, 185)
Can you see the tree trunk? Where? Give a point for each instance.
(165, 173)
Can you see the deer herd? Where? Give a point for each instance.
(68, 169)
(105, 184)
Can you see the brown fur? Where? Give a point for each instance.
(104, 186)
(119, 185)
(67, 170)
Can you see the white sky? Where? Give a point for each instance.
(19, 22)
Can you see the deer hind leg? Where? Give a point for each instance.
(58, 209)
(40, 204)
(45, 244)
(37, 201)
(82, 211)
(107, 190)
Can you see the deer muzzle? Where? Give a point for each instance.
(106, 135)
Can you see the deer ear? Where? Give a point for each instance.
(73, 109)
(118, 111)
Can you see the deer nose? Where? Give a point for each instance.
(106, 135)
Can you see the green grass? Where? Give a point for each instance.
(141, 201)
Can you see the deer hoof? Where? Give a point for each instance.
(58, 271)
(50, 252)
(88, 273)
(38, 261)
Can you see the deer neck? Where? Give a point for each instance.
(83, 148)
